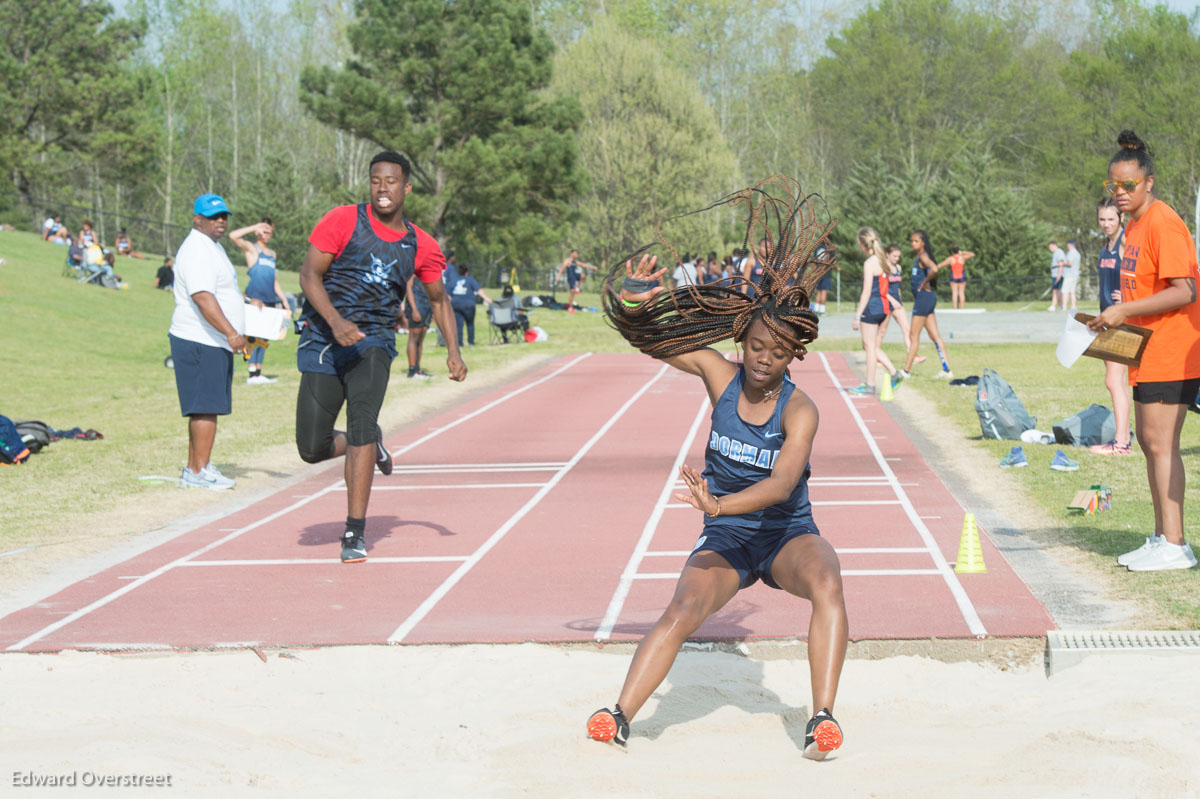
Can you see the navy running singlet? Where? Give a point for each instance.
(1108, 270)
(918, 276)
(365, 283)
(262, 278)
(740, 454)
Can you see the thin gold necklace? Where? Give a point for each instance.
(769, 394)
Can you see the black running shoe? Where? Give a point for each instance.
(609, 726)
(822, 736)
(354, 549)
(383, 458)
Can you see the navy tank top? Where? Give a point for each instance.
(365, 283)
(262, 278)
(740, 454)
(1108, 270)
(918, 276)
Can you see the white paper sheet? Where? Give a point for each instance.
(268, 323)
(1075, 339)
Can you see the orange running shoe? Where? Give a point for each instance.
(822, 736)
(609, 726)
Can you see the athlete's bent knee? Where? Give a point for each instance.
(314, 451)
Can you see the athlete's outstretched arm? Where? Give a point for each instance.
(443, 317)
(800, 420)
(312, 276)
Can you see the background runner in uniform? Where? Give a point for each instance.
(1158, 291)
(262, 287)
(1108, 275)
(572, 266)
(872, 312)
(754, 490)
(896, 310)
(359, 259)
(958, 275)
(924, 281)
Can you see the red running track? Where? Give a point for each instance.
(543, 511)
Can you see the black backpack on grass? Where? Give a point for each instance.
(36, 435)
(1001, 413)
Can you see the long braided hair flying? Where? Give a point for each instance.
(794, 226)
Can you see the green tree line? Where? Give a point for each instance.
(534, 127)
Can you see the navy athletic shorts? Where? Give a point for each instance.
(872, 318)
(203, 377)
(750, 556)
(826, 282)
(924, 303)
(1056, 284)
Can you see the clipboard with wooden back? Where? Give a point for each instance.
(1124, 344)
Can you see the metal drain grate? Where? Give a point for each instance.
(1066, 648)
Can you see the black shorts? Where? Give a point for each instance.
(1171, 392)
(924, 303)
(361, 386)
(1056, 284)
(869, 318)
(826, 281)
(203, 377)
(751, 558)
(421, 300)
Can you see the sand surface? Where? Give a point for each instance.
(509, 721)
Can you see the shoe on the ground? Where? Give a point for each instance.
(208, 477)
(1163, 556)
(416, 371)
(1052, 308)
(1062, 463)
(609, 726)
(1129, 557)
(383, 458)
(1014, 459)
(1112, 448)
(861, 390)
(898, 378)
(904, 374)
(354, 549)
(822, 736)
(259, 380)
(945, 374)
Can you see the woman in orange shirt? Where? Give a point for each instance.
(1158, 291)
(958, 275)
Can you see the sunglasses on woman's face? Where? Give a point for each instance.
(1126, 186)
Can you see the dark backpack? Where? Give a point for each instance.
(12, 448)
(1001, 413)
(1093, 425)
(36, 435)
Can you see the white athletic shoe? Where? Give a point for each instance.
(259, 380)
(1162, 557)
(1129, 557)
(208, 477)
(945, 374)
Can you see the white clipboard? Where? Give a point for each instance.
(267, 323)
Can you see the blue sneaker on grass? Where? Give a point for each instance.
(1062, 463)
(1014, 459)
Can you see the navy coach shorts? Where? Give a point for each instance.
(203, 377)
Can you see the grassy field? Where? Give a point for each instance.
(90, 357)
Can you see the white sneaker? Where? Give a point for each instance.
(1164, 556)
(259, 380)
(945, 374)
(904, 375)
(1129, 557)
(208, 477)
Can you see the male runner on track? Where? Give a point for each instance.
(360, 258)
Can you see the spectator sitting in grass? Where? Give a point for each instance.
(62, 236)
(52, 225)
(165, 278)
(125, 246)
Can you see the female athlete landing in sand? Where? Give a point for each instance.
(758, 521)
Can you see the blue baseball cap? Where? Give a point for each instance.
(210, 205)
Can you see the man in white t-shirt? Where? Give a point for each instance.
(1058, 265)
(206, 330)
(685, 274)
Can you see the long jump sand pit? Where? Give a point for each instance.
(508, 720)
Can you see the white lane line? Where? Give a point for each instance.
(969, 614)
(125, 589)
(458, 486)
(489, 406)
(414, 467)
(432, 600)
(834, 479)
(630, 573)
(322, 561)
(483, 469)
(859, 502)
(666, 553)
(304, 500)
